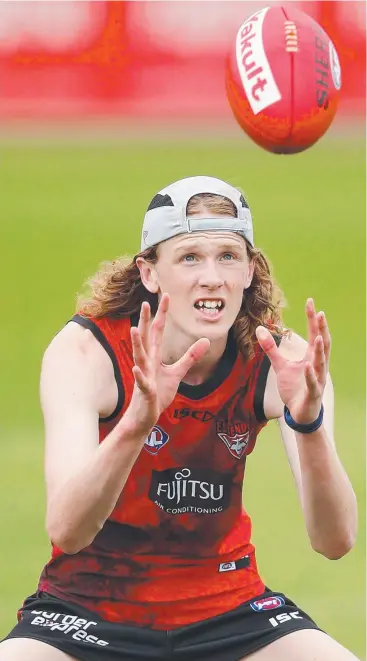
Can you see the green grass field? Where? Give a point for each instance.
(66, 208)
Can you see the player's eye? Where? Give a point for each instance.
(227, 256)
(189, 258)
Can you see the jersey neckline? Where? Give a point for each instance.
(222, 371)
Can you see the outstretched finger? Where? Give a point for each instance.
(312, 322)
(157, 327)
(143, 325)
(269, 346)
(312, 381)
(192, 356)
(325, 334)
(139, 355)
(142, 381)
(319, 363)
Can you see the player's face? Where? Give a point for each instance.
(205, 274)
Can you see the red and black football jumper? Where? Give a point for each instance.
(177, 547)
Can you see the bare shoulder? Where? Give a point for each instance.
(77, 388)
(75, 361)
(74, 337)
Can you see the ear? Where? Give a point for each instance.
(249, 274)
(148, 275)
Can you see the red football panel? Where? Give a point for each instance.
(258, 78)
(315, 97)
(283, 79)
(279, 61)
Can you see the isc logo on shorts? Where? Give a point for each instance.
(267, 603)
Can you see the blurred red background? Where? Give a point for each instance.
(145, 59)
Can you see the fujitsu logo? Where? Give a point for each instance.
(182, 486)
(256, 75)
(188, 488)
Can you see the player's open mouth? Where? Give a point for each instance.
(210, 307)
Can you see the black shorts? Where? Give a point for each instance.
(228, 637)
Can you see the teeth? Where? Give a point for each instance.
(210, 304)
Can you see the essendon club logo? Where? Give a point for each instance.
(236, 437)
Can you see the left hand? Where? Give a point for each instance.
(301, 383)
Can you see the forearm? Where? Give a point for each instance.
(328, 500)
(79, 509)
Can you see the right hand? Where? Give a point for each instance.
(156, 384)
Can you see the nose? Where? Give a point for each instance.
(210, 276)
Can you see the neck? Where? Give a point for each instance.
(201, 371)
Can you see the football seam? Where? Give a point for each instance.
(291, 55)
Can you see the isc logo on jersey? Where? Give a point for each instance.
(156, 440)
(267, 603)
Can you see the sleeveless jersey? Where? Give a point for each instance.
(177, 547)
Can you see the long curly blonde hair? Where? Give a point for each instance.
(116, 290)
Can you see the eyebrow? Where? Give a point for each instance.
(195, 246)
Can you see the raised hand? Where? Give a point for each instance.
(156, 384)
(301, 383)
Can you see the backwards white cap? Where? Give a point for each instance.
(166, 215)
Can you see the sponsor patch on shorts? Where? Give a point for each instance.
(267, 603)
(70, 625)
(242, 563)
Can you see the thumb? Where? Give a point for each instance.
(192, 356)
(269, 346)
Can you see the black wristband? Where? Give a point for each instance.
(303, 429)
